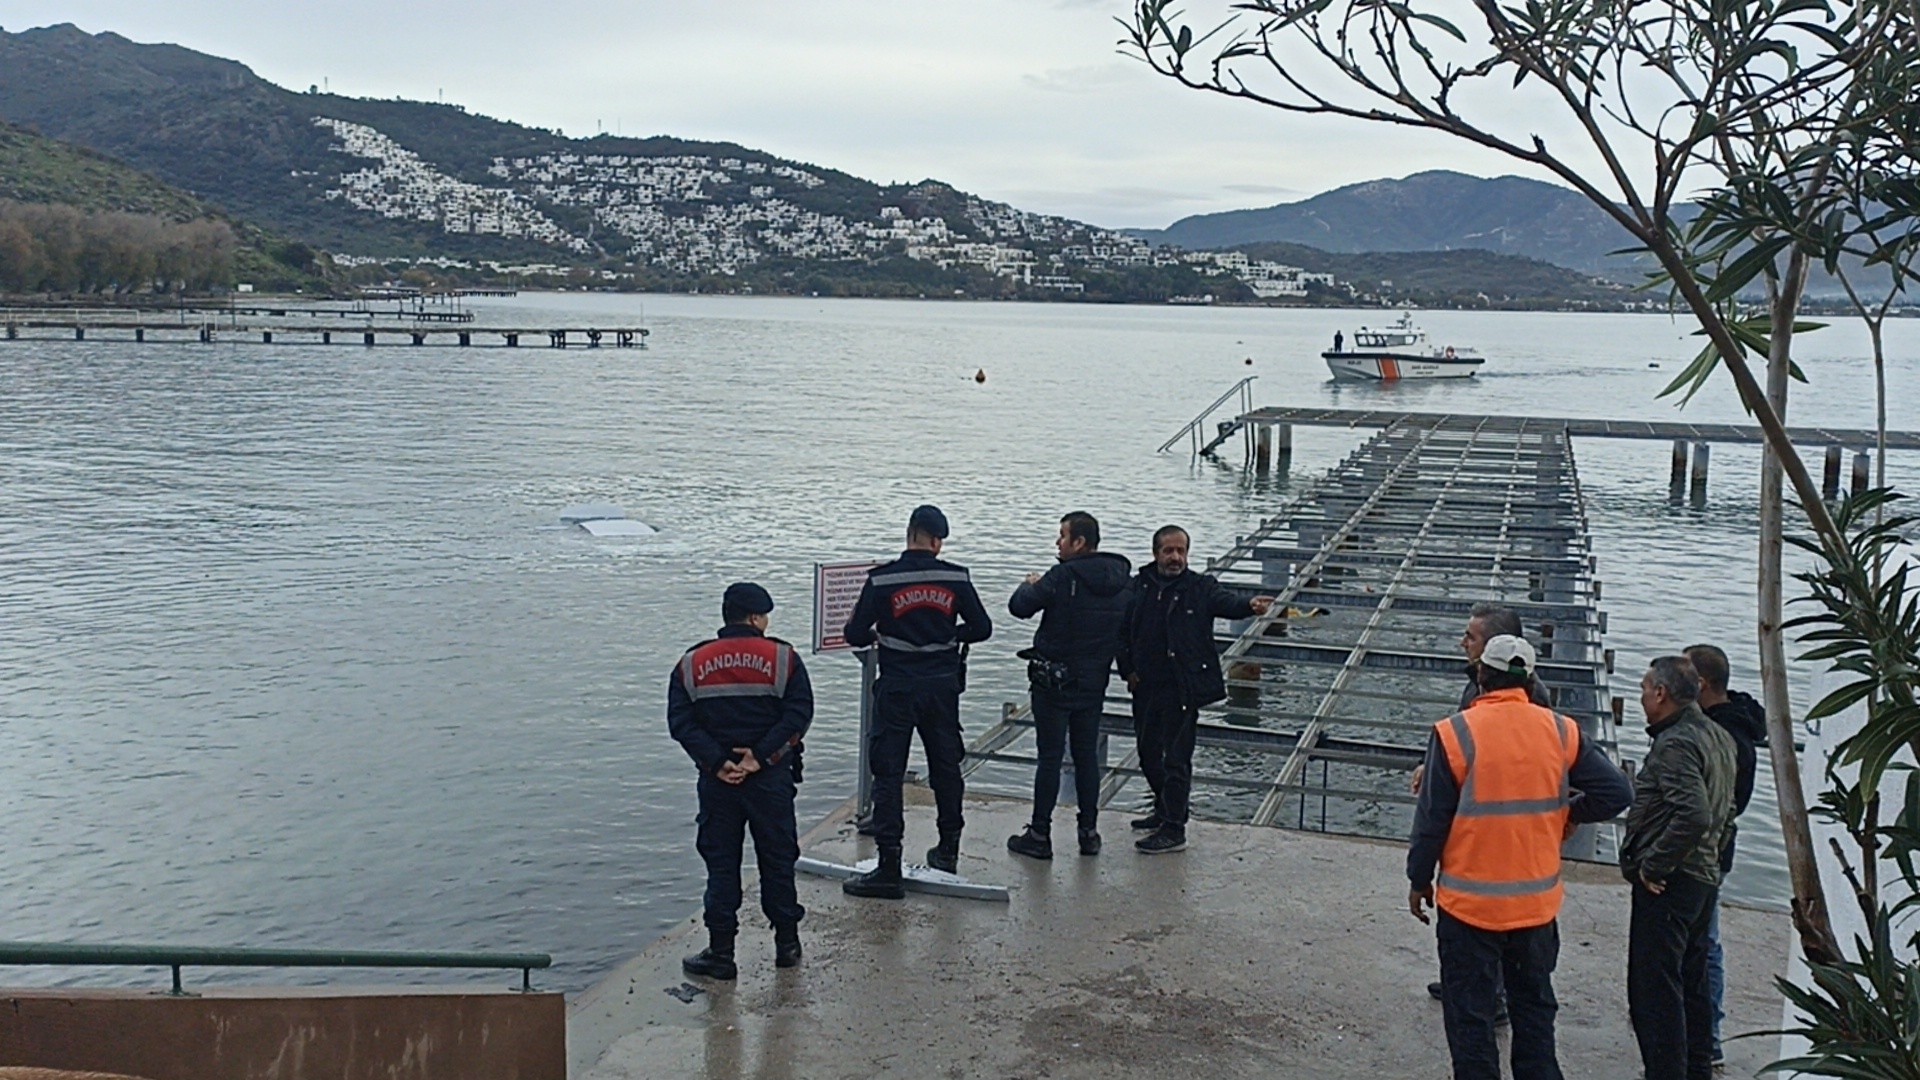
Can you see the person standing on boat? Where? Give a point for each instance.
(739, 704)
(1675, 836)
(1506, 781)
(1338, 340)
(1081, 602)
(1746, 720)
(922, 613)
(1168, 658)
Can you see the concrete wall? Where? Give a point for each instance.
(288, 1034)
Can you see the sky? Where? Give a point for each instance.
(1023, 101)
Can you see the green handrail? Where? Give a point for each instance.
(176, 957)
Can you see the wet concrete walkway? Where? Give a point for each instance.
(1256, 952)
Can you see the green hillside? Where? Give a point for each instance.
(36, 169)
(104, 195)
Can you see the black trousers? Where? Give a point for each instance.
(1667, 992)
(762, 805)
(1474, 963)
(900, 708)
(1061, 721)
(1163, 728)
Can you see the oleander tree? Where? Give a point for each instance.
(1712, 131)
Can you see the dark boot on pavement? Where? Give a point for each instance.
(945, 855)
(1165, 840)
(716, 960)
(786, 945)
(1033, 843)
(1089, 841)
(1150, 823)
(883, 882)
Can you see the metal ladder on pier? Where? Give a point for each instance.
(1195, 428)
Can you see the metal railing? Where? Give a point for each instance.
(58, 954)
(1244, 388)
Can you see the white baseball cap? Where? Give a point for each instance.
(1505, 652)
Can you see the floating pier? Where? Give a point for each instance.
(1272, 426)
(1374, 569)
(309, 332)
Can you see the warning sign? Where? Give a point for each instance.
(836, 587)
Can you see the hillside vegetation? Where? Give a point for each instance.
(74, 220)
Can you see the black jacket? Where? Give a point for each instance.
(1746, 720)
(919, 610)
(769, 719)
(1682, 801)
(1082, 605)
(1169, 636)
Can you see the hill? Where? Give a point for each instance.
(39, 171)
(1467, 278)
(1429, 211)
(377, 181)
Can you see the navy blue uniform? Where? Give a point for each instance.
(744, 689)
(919, 610)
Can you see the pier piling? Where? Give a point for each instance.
(1862, 472)
(1701, 452)
(1830, 476)
(1678, 482)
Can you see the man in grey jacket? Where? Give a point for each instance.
(1682, 808)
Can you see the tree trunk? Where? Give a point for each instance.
(1809, 898)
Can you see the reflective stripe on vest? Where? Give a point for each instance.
(887, 641)
(918, 577)
(1500, 868)
(736, 667)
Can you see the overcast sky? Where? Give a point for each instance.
(1025, 101)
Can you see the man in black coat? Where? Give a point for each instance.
(1168, 658)
(1746, 720)
(922, 612)
(1081, 603)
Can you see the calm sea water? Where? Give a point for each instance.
(293, 651)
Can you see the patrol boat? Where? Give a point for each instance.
(1400, 351)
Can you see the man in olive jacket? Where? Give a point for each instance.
(1682, 808)
(1168, 658)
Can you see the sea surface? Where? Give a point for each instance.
(294, 651)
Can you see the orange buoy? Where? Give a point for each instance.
(980, 376)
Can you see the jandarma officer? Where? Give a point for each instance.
(739, 704)
(921, 611)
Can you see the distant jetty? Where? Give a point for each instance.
(269, 325)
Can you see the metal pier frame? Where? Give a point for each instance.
(1374, 569)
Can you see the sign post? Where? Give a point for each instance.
(836, 588)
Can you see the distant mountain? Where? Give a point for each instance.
(1429, 211)
(1464, 278)
(402, 178)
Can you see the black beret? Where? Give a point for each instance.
(747, 598)
(929, 520)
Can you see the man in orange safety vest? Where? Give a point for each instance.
(1505, 782)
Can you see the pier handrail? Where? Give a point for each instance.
(1193, 424)
(67, 954)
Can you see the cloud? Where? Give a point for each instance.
(1261, 189)
(1081, 80)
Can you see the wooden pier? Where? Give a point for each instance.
(308, 332)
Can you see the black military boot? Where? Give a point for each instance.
(945, 855)
(786, 945)
(883, 882)
(716, 960)
(1150, 823)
